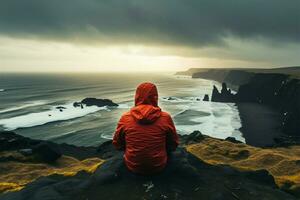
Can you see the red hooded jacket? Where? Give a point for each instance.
(146, 133)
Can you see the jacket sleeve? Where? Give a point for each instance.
(119, 136)
(172, 137)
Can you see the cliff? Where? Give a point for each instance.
(279, 91)
(202, 167)
(277, 88)
(219, 74)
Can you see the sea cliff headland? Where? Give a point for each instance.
(274, 92)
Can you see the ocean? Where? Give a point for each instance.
(28, 105)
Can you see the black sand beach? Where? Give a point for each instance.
(257, 121)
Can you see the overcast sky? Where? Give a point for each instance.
(147, 35)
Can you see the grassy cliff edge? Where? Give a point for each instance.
(205, 168)
(283, 163)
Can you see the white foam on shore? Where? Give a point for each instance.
(223, 121)
(52, 115)
(219, 120)
(26, 105)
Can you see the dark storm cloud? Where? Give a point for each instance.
(189, 22)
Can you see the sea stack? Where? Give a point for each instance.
(224, 96)
(206, 97)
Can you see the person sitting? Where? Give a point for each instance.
(146, 133)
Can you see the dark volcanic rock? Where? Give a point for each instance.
(206, 97)
(77, 104)
(46, 152)
(9, 141)
(232, 139)
(98, 102)
(224, 96)
(262, 176)
(107, 150)
(194, 137)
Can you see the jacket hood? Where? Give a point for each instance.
(146, 108)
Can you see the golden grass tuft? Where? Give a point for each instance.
(14, 175)
(282, 163)
(5, 187)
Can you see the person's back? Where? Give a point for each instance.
(146, 133)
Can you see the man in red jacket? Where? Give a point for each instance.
(146, 133)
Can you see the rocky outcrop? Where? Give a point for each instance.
(94, 102)
(224, 96)
(23, 160)
(78, 104)
(206, 97)
(185, 177)
(10, 141)
(46, 152)
(194, 137)
(98, 102)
